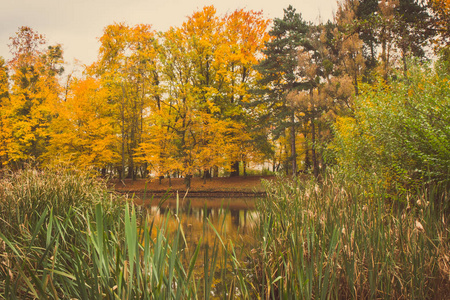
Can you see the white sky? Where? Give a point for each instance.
(77, 24)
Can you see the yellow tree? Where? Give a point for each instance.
(207, 66)
(204, 75)
(128, 68)
(82, 135)
(245, 34)
(34, 75)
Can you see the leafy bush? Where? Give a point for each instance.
(400, 134)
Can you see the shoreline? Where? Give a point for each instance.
(158, 194)
(218, 187)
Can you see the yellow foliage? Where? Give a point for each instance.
(83, 136)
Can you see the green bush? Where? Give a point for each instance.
(400, 133)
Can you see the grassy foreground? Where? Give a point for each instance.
(342, 240)
(62, 235)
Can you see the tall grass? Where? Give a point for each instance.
(335, 240)
(64, 236)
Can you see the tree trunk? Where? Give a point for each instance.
(215, 171)
(307, 158)
(187, 181)
(206, 174)
(122, 170)
(234, 169)
(122, 114)
(293, 149)
(405, 65)
(313, 138)
(313, 149)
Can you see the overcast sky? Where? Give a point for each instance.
(77, 24)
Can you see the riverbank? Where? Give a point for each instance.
(221, 187)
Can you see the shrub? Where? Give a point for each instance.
(400, 134)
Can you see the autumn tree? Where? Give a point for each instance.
(35, 88)
(82, 136)
(349, 44)
(127, 66)
(206, 72)
(245, 33)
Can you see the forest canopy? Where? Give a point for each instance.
(223, 91)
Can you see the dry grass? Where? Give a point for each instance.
(334, 239)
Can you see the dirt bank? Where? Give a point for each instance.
(222, 187)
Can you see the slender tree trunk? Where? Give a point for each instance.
(384, 53)
(405, 65)
(307, 157)
(206, 174)
(293, 148)
(313, 150)
(234, 169)
(122, 171)
(313, 138)
(187, 181)
(286, 161)
(355, 80)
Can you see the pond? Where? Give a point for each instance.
(203, 220)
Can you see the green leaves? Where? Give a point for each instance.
(400, 132)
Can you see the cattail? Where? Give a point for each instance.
(419, 226)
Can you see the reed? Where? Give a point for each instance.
(340, 240)
(62, 235)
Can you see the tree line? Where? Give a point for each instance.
(214, 93)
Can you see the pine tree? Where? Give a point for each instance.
(279, 71)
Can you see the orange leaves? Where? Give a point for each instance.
(27, 106)
(170, 101)
(441, 20)
(83, 135)
(206, 68)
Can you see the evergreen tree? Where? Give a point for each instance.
(412, 29)
(366, 12)
(280, 73)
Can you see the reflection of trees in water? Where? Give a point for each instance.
(192, 217)
(233, 225)
(235, 217)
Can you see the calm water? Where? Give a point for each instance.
(234, 220)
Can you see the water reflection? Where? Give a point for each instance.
(232, 216)
(233, 220)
